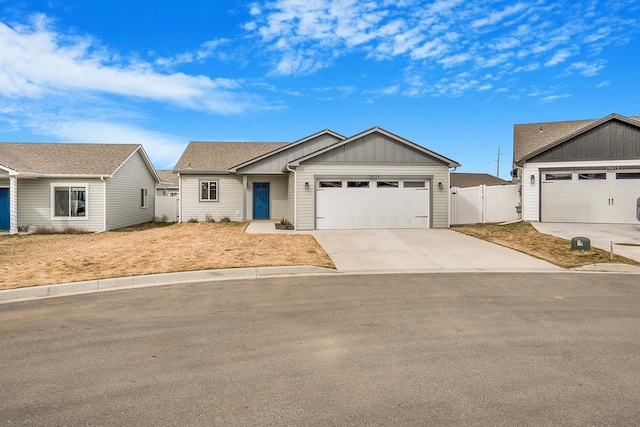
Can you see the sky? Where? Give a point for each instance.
(453, 76)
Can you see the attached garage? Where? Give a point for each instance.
(351, 203)
(585, 171)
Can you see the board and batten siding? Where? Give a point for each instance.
(34, 204)
(123, 194)
(309, 173)
(278, 162)
(229, 203)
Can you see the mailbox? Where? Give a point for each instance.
(580, 244)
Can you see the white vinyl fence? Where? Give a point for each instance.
(167, 205)
(474, 205)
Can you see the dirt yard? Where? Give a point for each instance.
(29, 260)
(523, 237)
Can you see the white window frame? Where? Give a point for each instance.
(209, 181)
(144, 198)
(69, 185)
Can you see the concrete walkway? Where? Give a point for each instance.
(601, 235)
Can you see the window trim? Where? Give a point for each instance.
(209, 181)
(144, 198)
(69, 185)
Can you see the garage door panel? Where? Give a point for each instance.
(372, 207)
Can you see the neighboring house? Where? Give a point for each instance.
(94, 187)
(465, 180)
(169, 185)
(374, 179)
(580, 171)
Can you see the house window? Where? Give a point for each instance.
(69, 201)
(357, 184)
(209, 191)
(414, 184)
(628, 175)
(387, 184)
(557, 176)
(144, 198)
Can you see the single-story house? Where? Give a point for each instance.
(374, 179)
(169, 185)
(466, 180)
(95, 187)
(579, 171)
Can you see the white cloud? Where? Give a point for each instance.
(604, 84)
(584, 68)
(559, 57)
(552, 98)
(36, 61)
(495, 17)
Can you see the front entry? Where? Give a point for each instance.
(4, 209)
(260, 200)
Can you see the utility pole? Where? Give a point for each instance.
(498, 168)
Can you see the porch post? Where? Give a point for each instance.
(244, 198)
(13, 204)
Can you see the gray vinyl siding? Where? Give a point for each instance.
(229, 203)
(123, 194)
(34, 204)
(4, 182)
(306, 198)
(291, 197)
(374, 148)
(278, 193)
(278, 162)
(613, 140)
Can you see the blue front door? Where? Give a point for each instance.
(4, 208)
(260, 200)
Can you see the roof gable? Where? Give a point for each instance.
(612, 137)
(533, 138)
(375, 146)
(59, 159)
(201, 156)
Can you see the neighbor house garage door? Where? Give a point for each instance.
(363, 204)
(591, 196)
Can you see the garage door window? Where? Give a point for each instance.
(387, 184)
(557, 176)
(592, 176)
(330, 184)
(414, 184)
(628, 175)
(358, 184)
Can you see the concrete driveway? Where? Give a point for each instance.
(601, 235)
(417, 250)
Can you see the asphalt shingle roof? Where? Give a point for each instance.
(65, 159)
(531, 137)
(463, 180)
(168, 178)
(221, 156)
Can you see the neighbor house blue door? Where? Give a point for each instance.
(4, 209)
(260, 200)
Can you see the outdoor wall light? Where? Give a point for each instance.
(306, 186)
(440, 185)
(533, 180)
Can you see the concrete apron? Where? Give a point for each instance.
(418, 250)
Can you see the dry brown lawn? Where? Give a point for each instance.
(522, 237)
(29, 260)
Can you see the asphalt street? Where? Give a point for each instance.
(413, 349)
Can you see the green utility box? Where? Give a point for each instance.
(580, 244)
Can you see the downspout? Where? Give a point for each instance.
(104, 203)
(179, 198)
(295, 197)
(451, 169)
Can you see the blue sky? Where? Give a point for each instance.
(451, 75)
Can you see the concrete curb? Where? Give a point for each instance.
(103, 285)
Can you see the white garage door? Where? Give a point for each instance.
(362, 204)
(591, 196)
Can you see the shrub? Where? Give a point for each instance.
(193, 220)
(286, 224)
(225, 219)
(208, 218)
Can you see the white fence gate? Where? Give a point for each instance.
(473, 205)
(167, 205)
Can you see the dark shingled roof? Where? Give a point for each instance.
(202, 156)
(65, 159)
(531, 137)
(463, 180)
